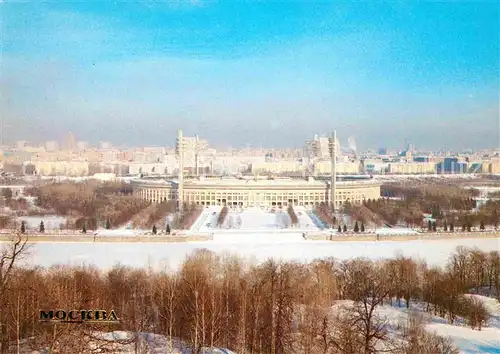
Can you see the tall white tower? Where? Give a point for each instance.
(180, 153)
(196, 152)
(333, 180)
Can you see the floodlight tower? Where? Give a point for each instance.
(333, 156)
(180, 153)
(196, 153)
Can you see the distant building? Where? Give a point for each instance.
(51, 146)
(148, 169)
(276, 166)
(194, 151)
(69, 142)
(21, 144)
(407, 154)
(374, 166)
(61, 168)
(493, 166)
(82, 145)
(421, 159)
(105, 145)
(451, 165)
(318, 147)
(412, 168)
(325, 167)
(382, 151)
(478, 167)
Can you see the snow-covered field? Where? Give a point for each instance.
(253, 226)
(252, 219)
(105, 255)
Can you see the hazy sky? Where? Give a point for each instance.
(260, 73)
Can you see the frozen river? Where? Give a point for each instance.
(157, 255)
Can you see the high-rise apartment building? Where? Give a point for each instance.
(51, 146)
(105, 145)
(69, 142)
(194, 149)
(319, 147)
(21, 144)
(82, 145)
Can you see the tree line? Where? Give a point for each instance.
(91, 202)
(411, 213)
(91, 205)
(325, 306)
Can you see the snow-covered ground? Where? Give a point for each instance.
(466, 176)
(395, 231)
(105, 255)
(122, 342)
(119, 232)
(257, 237)
(252, 219)
(207, 219)
(469, 341)
(485, 341)
(51, 222)
(253, 226)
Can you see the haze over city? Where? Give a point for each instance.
(247, 73)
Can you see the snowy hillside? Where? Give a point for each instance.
(472, 341)
(467, 340)
(122, 342)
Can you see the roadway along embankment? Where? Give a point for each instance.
(114, 238)
(62, 238)
(403, 237)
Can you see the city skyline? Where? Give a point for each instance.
(261, 74)
(347, 145)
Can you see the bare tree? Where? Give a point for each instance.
(416, 340)
(493, 272)
(367, 286)
(9, 256)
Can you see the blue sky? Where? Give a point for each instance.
(259, 73)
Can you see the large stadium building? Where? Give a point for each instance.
(255, 192)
